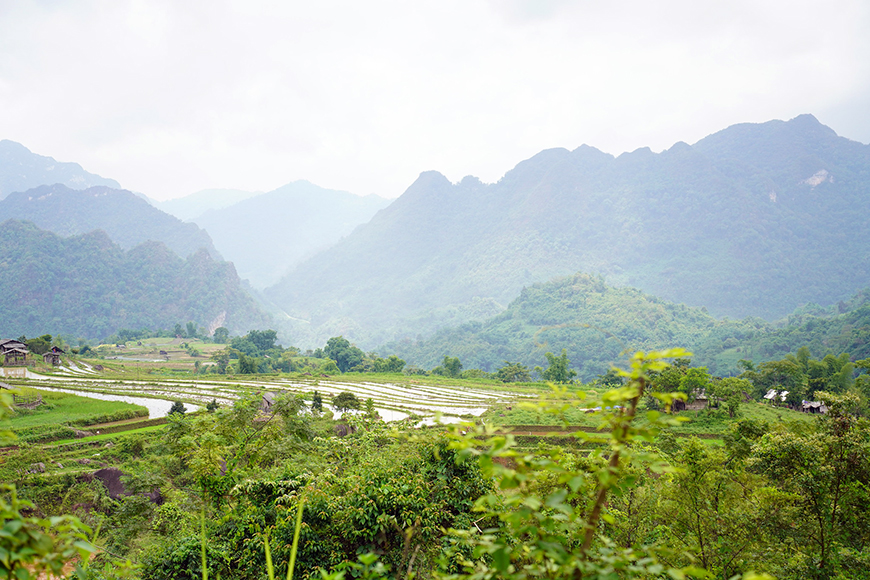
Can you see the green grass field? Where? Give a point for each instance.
(61, 412)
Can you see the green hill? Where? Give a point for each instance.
(596, 323)
(88, 286)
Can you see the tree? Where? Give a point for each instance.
(719, 513)
(513, 373)
(39, 345)
(191, 330)
(216, 446)
(177, 408)
(345, 401)
(450, 367)
(221, 335)
(179, 331)
(730, 391)
(247, 364)
(345, 355)
(610, 380)
(316, 403)
(212, 405)
(694, 381)
(829, 472)
(391, 364)
(557, 371)
(222, 358)
(263, 339)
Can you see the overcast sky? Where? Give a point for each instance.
(172, 97)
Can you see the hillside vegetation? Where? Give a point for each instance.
(755, 220)
(88, 286)
(596, 322)
(128, 219)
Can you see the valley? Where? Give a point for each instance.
(643, 366)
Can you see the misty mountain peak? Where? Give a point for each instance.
(639, 153)
(430, 178)
(470, 182)
(21, 169)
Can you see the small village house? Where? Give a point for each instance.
(14, 352)
(52, 357)
(698, 401)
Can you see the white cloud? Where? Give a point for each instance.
(170, 97)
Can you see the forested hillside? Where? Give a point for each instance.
(755, 220)
(125, 217)
(266, 235)
(21, 169)
(595, 323)
(86, 286)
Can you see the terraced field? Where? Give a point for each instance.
(394, 399)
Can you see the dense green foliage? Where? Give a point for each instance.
(595, 322)
(87, 286)
(624, 496)
(755, 220)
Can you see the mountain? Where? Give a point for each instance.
(265, 235)
(597, 323)
(20, 170)
(754, 220)
(87, 286)
(128, 219)
(194, 205)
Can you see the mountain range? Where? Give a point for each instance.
(21, 169)
(754, 220)
(87, 286)
(128, 219)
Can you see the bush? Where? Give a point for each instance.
(345, 401)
